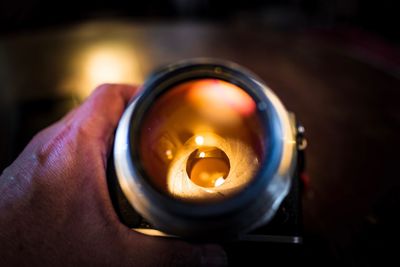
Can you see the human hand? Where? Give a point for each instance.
(55, 208)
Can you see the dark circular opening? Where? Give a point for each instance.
(208, 167)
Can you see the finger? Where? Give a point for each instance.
(98, 116)
(157, 251)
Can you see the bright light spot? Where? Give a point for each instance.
(202, 155)
(199, 140)
(219, 181)
(105, 62)
(169, 155)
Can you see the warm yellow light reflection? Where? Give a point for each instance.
(106, 62)
(168, 153)
(222, 102)
(209, 179)
(213, 130)
(199, 140)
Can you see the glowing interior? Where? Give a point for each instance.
(208, 167)
(202, 140)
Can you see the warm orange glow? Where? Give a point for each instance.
(104, 62)
(221, 96)
(200, 141)
(208, 167)
(207, 171)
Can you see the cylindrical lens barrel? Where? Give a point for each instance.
(205, 151)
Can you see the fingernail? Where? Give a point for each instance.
(213, 256)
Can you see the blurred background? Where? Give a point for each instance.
(336, 64)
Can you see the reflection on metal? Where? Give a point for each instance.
(152, 232)
(246, 237)
(104, 62)
(301, 139)
(272, 238)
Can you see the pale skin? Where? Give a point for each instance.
(55, 208)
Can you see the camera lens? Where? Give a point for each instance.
(201, 140)
(206, 151)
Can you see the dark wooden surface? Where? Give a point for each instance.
(348, 102)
